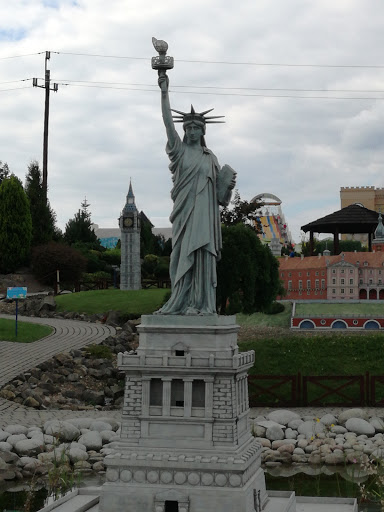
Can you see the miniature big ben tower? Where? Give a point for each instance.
(129, 222)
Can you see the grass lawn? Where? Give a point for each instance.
(263, 320)
(101, 301)
(339, 309)
(26, 332)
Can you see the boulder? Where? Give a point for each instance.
(328, 420)
(91, 440)
(352, 413)
(16, 429)
(274, 433)
(359, 426)
(283, 416)
(5, 447)
(29, 447)
(377, 423)
(63, 430)
(14, 438)
(76, 454)
(99, 426)
(4, 435)
(9, 457)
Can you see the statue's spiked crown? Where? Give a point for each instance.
(193, 116)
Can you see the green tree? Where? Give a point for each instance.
(15, 225)
(43, 217)
(247, 274)
(79, 229)
(4, 171)
(241, 212)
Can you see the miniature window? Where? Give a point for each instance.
(289, 274)
(333, 280)
(360, 281)
(365, 263)
(300, 284)
(316, 273)
(282, 274)
(198, 393)
(351, 271)
(179, 353)
(371, 281)
(351, 290)
(342, 272)
(342, 281)
(323, 321)
(177, 393)
(323, 272)
(289, 285)
(299, 274)
(156, 392)
(317, 283)
(342, 291)
(308, 274)
(323, 284)
(351, 281)
(333, 290)
(308, 284)
(333, 271)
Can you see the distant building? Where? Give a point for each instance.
(347, 276)
(129, 223)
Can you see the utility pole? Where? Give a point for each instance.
(47, 87)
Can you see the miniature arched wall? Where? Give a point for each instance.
(339, 324)
(306, 324)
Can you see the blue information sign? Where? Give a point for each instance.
(17, 292)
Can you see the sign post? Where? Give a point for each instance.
(16, 292)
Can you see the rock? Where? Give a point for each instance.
(274, 433)
(47, 304)
(9, 457)
(83, 465)
(377, 423)
(258, 431)
(31, 402)
(294, 424)
(93, 397)
(359, 426)
(328, 419)
(108, 435)
(267, 424)
(64, 430)
(266, 443)
(14, 438)
(314, 458)
(283, 416)
(7, 394)
(334, 458)
(91, 440)
(76, 454)
(4, 435)
(338, 429)
(98, 466)
(352, 413)
(99, 426)
(16, 429)
(286, 448)
(29, 446)
(290, 434)
(5, 447)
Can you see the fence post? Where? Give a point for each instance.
(299, 398)
(367, 390)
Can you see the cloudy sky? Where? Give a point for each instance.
(301, 83)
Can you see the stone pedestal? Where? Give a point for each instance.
(185, 441)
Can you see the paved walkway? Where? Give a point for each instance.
(16, 358)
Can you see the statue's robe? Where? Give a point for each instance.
(196, 230)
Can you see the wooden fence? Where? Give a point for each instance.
(310, 390)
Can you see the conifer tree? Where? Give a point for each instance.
(43, 217)
(15, 225)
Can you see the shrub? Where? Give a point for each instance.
(99, 351)
(48, 258)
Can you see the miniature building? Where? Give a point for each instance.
(129, 223)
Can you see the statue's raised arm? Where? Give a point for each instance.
(166, 108)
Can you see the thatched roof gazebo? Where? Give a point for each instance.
(351, 219)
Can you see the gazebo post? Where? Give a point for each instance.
(370, 242)
(311, 243)
(336, 245)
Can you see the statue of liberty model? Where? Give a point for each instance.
(199, 187)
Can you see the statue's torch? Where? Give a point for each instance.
(162, 62)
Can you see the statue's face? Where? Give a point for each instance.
(193, 133)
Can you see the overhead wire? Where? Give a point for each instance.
(277, 64)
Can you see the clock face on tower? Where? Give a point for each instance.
(127, 222)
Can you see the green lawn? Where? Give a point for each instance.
(141, 302)
(262, 320)
(339, 309)
(26, 332)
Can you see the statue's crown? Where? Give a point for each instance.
(185, 117)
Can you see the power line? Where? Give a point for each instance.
(18, 56)
(16, 88)
(231, 94)
(14, 81)
(75, 82)
(271, 64)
